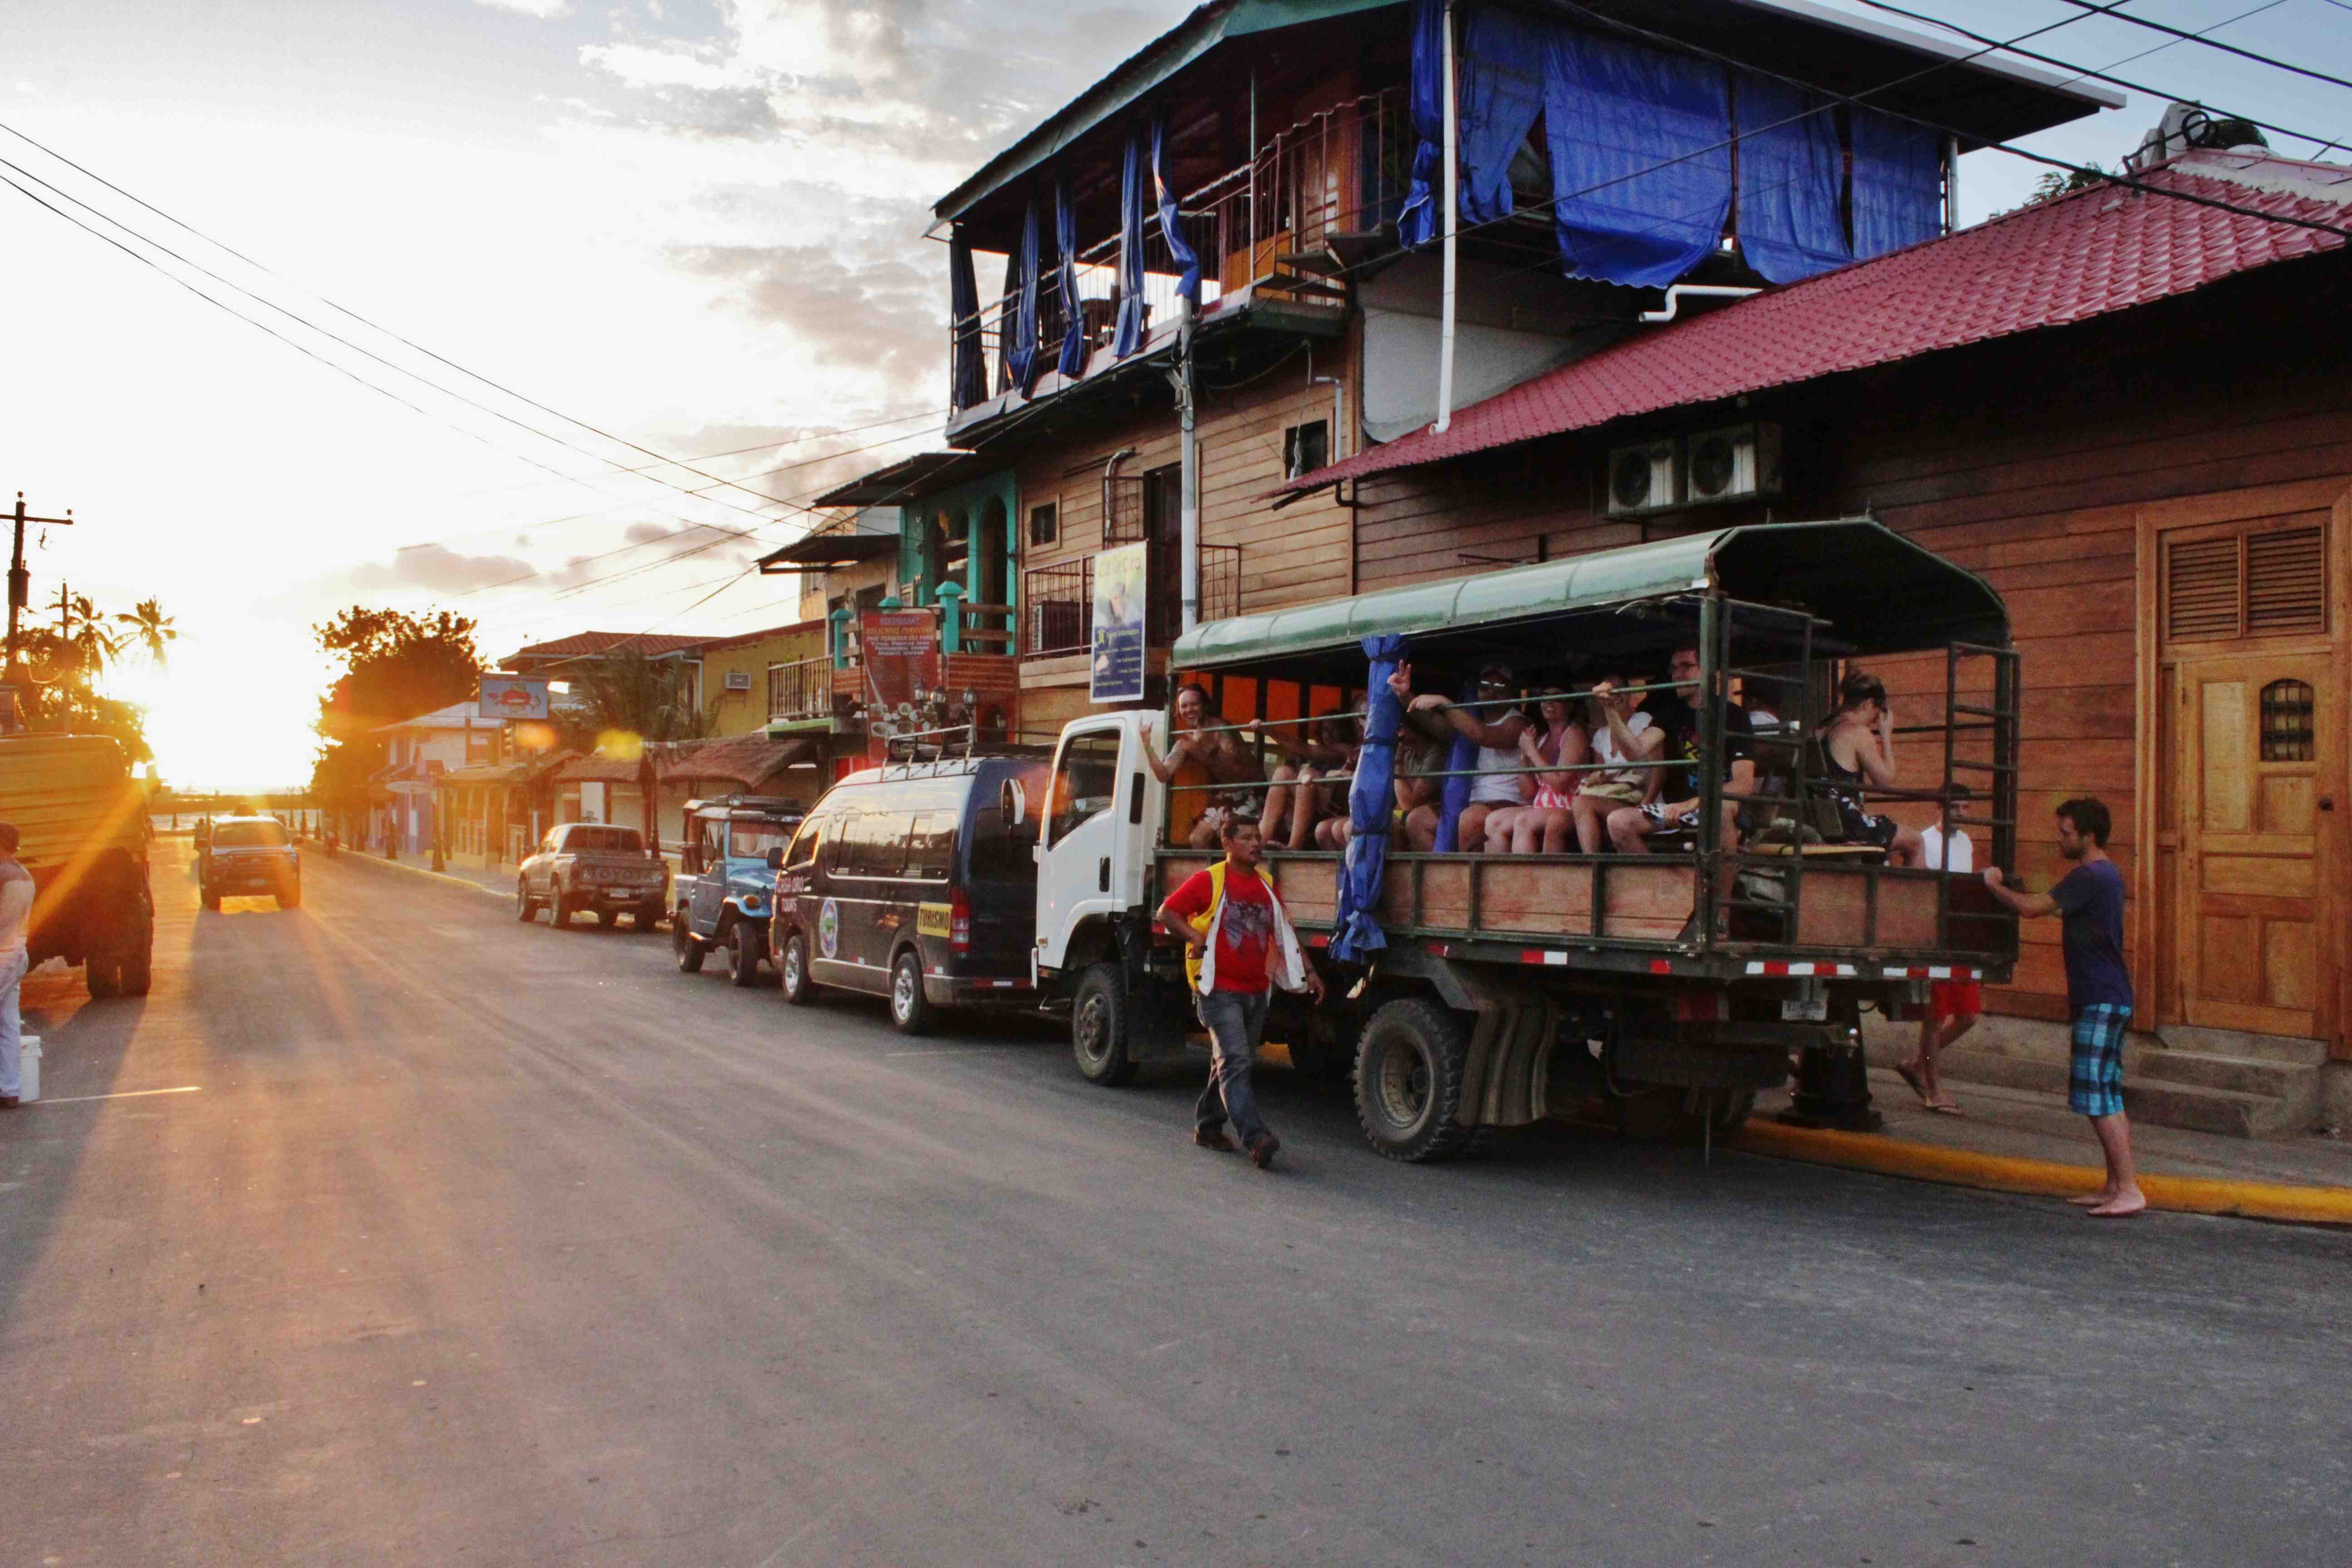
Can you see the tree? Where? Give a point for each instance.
(150, 631)
(395, 665)
(62, 666)
(2056, 183)
(626, 694)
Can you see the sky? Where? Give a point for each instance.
(692, 225)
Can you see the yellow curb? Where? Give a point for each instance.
(2040, 1178)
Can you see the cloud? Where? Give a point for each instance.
(881, 315)
(545, 10)
(436, 569)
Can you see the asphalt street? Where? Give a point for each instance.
(457, 1240)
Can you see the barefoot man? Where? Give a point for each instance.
(2090, 900)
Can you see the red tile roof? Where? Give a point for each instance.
(2101, 250)
(607, 642)
(750, 761)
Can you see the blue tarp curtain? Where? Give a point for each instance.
(1501, 92)
(967, 374)
(1172, 215)
(1417, 225)
(1641, 162)
(1792, 175)
(1355, 932)
(1128, 335)
(1021, 282)
(1073, 363)
(1898, 184)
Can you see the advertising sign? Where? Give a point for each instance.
(902, 669)
(1118, 661)
(511, 697)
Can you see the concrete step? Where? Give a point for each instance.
(2160, 1100)
(2243, 1046)
(2221, 1111)
(2279, 1080)
(1978, 1063)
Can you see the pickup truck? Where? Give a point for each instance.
(593, 866)
(1476, 991)
(248, 855)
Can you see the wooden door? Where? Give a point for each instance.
(2254, 753)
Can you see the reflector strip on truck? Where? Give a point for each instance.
(1933, 972)
(1776, 967)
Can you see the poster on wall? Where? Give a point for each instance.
(511, 697)
(1119, 662)
(902, 669)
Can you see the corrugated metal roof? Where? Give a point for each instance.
(2092, 253)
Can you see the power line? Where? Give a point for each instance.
(2104, 75)
(354, 315)
(2115, 11)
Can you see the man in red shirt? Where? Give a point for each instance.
(1243, 945)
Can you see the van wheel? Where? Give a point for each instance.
(743, 942)
(682, 945)
(1099, 1027)
(1409, 1070)
(793, 972)
(911, 1011)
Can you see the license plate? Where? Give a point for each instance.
(1797, 1010)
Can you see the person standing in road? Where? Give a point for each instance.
(1240, 945)
(15, 912)
(2089, 901)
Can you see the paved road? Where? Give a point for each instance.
(490, 1244)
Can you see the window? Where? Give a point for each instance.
(591, 840)
(874, 844)
(1305, 448)
(752, 840)
(1000, 853)
(1045, 524)
(806, 845)
(2265, 581)
(2287, 722)
(930, 846)
(1087, 780)
(248, 835)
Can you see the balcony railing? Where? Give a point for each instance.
(1344, 169)
(803, 690)
(1057, 602)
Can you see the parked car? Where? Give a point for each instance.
(724, 886)
(250, 855)
(582, 866)
(916, 882)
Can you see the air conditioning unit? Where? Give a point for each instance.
(739, 681)
(1647, 477)
(1732, 464)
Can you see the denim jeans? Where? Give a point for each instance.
(1235, 1021)
(11, 976)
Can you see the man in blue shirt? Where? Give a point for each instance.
(2089, 901)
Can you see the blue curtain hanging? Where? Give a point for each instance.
(1640, 161)
(1460, 758)
(1501, 92)
(1127, 336)
(1417, 223)
(1355, 932)
(1171, 216)
(1020, 281)
(1898, 184)
(1073, 363)
(967, 374)
(1791, 172)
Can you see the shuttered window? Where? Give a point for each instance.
(2247, 584)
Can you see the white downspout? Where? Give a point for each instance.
(1951, 185)
(1453, 214)
(1675, 291)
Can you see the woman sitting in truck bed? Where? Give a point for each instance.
(1858, 749)
(1315, 777)
(1543, 824)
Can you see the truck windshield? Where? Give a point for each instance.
(248, 835)
(752, 840)
(620, 840)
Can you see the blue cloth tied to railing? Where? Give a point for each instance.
(1073, 363)
(1020, 362)
(1128, 335)
(1171, 216)
(1355, 932)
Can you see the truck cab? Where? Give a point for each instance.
(724, 887)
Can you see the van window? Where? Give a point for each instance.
(874, 844)
(930, 846)
(805, 845)
(1000, 853)
(1085, 781)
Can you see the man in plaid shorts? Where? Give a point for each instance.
(2090, 900)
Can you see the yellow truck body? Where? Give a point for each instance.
(82, 824)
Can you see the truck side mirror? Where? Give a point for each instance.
(775, 857)
(1016, 804)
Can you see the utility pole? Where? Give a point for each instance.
(20, 581)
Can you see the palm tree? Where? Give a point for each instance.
(627, 694)
(151, 630)
(91, 644)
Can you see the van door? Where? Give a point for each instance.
(1082, 868)
(709, 893)
(998, 873)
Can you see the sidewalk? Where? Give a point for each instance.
(498, 884)
(2018, 1140)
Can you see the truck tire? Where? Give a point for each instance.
(793, 972)
(1409, 1068)
(526, 907)
(559, 908)
(289, 896)
(1099, 1025)
(210, 899)
(683, 945)
(100, 973)
(911, 1012)
(648, 915)
(744, 941)
(1325, 1051)
(608, 918)
(134, 974)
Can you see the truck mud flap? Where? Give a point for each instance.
(1507, 1073)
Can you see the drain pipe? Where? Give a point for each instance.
(1675, 293)
(1338, 404)
(1453, 216)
